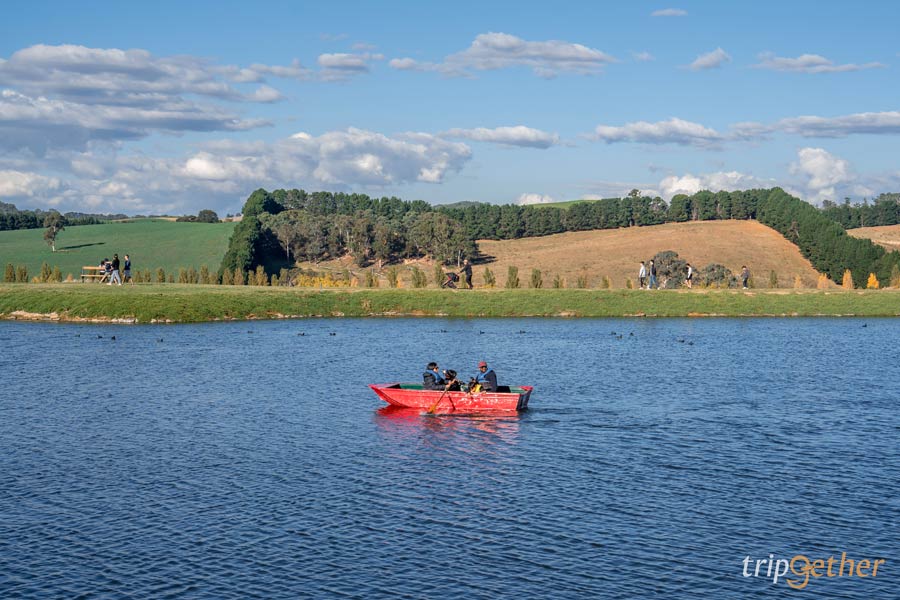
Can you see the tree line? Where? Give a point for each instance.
(284, 226)
(11, 218)
(885, 210)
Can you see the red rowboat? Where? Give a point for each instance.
(412, 395)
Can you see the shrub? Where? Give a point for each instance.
(512, 277)
(489, 279)
(418, 278)
(45, 272)
(438, 273)
(670, 269)
(147, 278)
(629, 284)
(274, 281)
(393, 277)
(160, 275)
(21, 274)
(717, 276)
(349, 278)
(371, 279)
(57, 275)
(182, 275)
(10, 275)
(558, 282)
(895, 276)
(69, 278)
(773, 279)
(872, 283)
(238, 277)
(581, 282)
(605, 283)
(847, 282)
(171, 278)
(260, 277)
(227, 277)
(798, 282)
(537, 281)
(192, 275)
(213, 278)
(204, 274)
(822, 281)
(283, 276)
(138, 277)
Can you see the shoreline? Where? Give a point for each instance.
(177, 303)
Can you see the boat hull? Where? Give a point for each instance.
(396, 394)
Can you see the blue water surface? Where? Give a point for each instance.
(250, 460)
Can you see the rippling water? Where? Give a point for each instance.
(245, 460)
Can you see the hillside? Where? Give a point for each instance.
(151, 243)
(617, 253)
(887, 236)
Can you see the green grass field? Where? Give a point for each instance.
(151, 243)
(145, 303)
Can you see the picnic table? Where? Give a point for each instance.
(93, 273)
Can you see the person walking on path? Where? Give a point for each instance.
(745, 276)
(652, 283)
(126, 274)
(642, 275)
(467, 273)
(115, 277)
(689, 280)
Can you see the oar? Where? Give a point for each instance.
(435, 405)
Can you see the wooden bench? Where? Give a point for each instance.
(97, 274)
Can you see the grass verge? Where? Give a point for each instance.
(193, 303)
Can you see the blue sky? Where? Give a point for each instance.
(177, 106)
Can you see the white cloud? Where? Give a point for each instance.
(534, 199)
(860, 123)
(643, 56)
(809, 63)
(19, 184)
(510, 136)
(722, 180)
(822, 172)
(341, 66)
(710, 60)
(669, 12)
(493, 51)
(672, 131)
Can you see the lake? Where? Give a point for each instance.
(250, 460)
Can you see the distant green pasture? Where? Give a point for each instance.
(151, 243)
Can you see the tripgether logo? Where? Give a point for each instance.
(800, 568)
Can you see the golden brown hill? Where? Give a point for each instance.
(617, 253)
(887, 236)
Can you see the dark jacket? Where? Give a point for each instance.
(432, 381)
(488, 381)
(115, 264)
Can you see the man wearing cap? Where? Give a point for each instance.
(486, 377)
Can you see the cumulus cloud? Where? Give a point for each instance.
(39, 123)
(509, 136)
(534, 199)
(493, 51)
(710, 60)
(19, 184)
(672, 131)
(809, 63)
(822, 172)
(342, 66)
(227, 170)
(715, 182)
(669, 12)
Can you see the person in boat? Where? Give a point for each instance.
(486, 379)
(453, 384)
(432, 378)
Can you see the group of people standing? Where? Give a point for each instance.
(113, 271)
(645, 274)
(435, 379)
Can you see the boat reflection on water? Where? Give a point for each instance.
(503, 425)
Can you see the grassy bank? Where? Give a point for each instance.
(192, 303)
